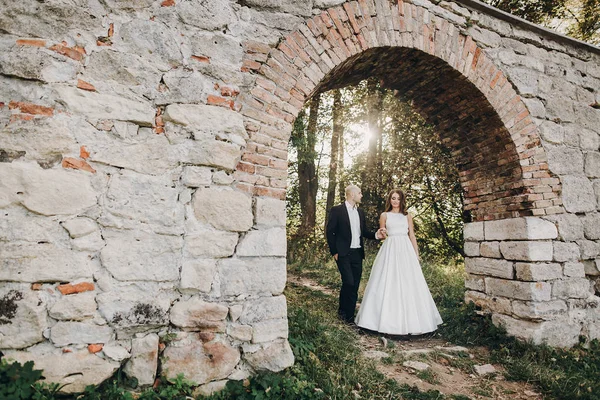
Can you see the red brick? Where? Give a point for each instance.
(30, 108)
(76, 288)
(245, 167)
(219, 101)
(95, 348)
(167, 3)
(31, 42)
(74, 53)
(278, 164)
(83, 153)
(251, 46)
(255, 159)
(85, 85)
(36, 286)
(202, 59)
(74, 163)
(270, 192)
(229, 91)
(111, 30)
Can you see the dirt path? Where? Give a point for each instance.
(434, 364)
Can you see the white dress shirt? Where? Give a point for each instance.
(354, 225)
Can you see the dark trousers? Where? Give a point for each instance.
(350, 267)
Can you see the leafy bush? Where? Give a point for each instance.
(20, 381)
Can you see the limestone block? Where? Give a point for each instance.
(566, 288)
(592, 164)
(578, 194)
(66, 333)
(200, 362)
(557, 333)
(536, 291)
(144, 37)
(115, 352)
(76, 370)
(75, 307)
(538, 271)
(269, 212)
(527, 228)
(198, 275)
(221, 48)
(235, 311)
(566, 251)
(490, 249)
(212, 244)
(222, 178)
(207, 121)
(591, 226)
(473, 231)
(199, 315)
(252, 276)
(588, 249)
(213, 153)
(96, 106)
(18, 224)
(144, 359)
(487, 303)
(539, 310)
(43, 191)
(475, 282)
(135, 200)
(592, 267)
(526, 251)
(107, 65)
(327, 3)
(210, 16)
(240, 332)
(141, 256)
(273, 357)
(267, 331)
(489, 266)
(302, 8)
(224, 209)
(78, 227)
(588, 139)
(196, 176)
(570, 227)
(471, 249)
(22, 317)
(524, 79)
(185, 86)
(552, 132)
(564, 160)
(534, 105)
(271, 307)
(210, 388)
(92, 242)
(135, 306)
(263, 243)
(43, 262)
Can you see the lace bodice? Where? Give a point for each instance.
(396, 224)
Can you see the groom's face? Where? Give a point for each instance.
(357, 196)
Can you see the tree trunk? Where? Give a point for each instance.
(343, 182)
(307, 177)
(438, 216)
(337, 132)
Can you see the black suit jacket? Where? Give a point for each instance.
(339, 233)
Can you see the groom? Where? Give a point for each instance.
(345, 231)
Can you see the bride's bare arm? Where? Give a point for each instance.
(411, 234)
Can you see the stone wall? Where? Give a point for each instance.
(143, 171)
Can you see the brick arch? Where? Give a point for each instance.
(452, 82)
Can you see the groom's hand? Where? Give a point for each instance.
(335, 257)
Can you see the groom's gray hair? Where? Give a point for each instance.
(350, 189)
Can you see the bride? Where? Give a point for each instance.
(397, 300)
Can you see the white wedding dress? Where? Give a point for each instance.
(397, 300)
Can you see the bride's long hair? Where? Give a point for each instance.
(388, 202)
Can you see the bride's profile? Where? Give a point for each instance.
(397, 300)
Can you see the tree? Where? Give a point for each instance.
(336, 135)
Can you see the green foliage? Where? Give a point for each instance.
(266, 386)
(22, 381)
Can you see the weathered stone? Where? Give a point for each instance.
(267, 331)
(43, 191)
(185, 86)
(262, 309)
(200, 362)
(74, 370)
(274, 357)
(92, 242)
(105, 106)
(196, 176)
(75, 307)
(22, 317)
(107, 65)
(222, 178)
(78, 227)
(485, 369)
(221, 48)
(572, 288)
(235, 311)
(592, 267)
(240, 332)
(29, 263)
(19, 224)
(592, 164)
(490, 249)
(211, 15)
(210, 388)
(538, 271)
(591, 226)
(252, 276)
(269, 212)
(566, 251)
(416, 365)
(199, 315)
(489, 304)
(471, 249)
(141, 256)
(224, 209)
(213, 244)
(588, 249)
(65, 333)
(198, 275)
(489, 266)
(565, 160)
(144, 37)
(134, 200)
(539, 310)
(578, 194)
(213, 153)
(557, 333)
(375, 354)
(115, 352)
(475, 282)
(526, 251)
(552, 132)
(263, 243)
(527, 228)
(473, 231)
(144, 360)
(536, 291)
(570, 227)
